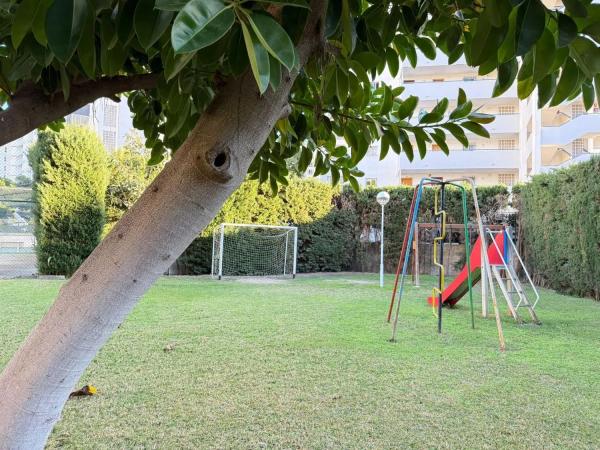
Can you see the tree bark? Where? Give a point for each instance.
(179, 203)
(30, 108)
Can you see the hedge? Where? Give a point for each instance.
(70, 173)
(368, 211)
(560, 224)
(306, 203)
(330, 223)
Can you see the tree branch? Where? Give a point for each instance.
(30, 108)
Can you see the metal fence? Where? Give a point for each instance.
(17, 241)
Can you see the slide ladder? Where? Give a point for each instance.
(506, 276)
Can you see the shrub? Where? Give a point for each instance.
(560, 228)
(70, 175)
(130, 174)
(302, 202)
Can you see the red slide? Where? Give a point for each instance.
(460, 286)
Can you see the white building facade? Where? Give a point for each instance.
(111, 120)
(524, 141)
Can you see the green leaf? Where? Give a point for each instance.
(531, 21)
(542, 56)
(258, 57)
(64, 25)
(569, 78)
(567, 30)
(341, 85)
(407, 107)
(393, 61)
(347, 31)
(274, 38)
(421, 138)
(297, 3)
(462, 97)
(170, 5)
(87, 48)
(201, 23)
(587, 55)
(462, 110)
(546, 89)
(408, 149)
(457, 132)
(507, 72)
(150, 23)
(426, 46)
(173, 64)
(587, 91)
(481, 117)
(354, 183)
(575, 7)
(476, 128)
(238, 60)
(499, 11)
(30, 14)
(125, 29)
(388, 101)
(275, 73)
(385, 147)
(439, 137)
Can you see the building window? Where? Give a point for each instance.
(371, 182)
(507, 144)
(109, 139)
(471, 78)
(406, 181)
(438, 80)
(110, 115)
(577, 109)
(409, 81)
(507, 179)
(470, 148)
(578, 146)
(505, 110)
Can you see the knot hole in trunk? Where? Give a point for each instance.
(216, 163)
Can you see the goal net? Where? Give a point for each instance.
(254, 250)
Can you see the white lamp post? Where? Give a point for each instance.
(382, 198)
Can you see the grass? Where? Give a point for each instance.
(307, 364)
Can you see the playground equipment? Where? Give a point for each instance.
(483, 263)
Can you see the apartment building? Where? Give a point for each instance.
(111, 120)
(524, 141)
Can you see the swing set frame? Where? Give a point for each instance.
(440, 213)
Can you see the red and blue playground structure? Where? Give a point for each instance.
(497, 262)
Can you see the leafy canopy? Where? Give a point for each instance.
(194, 45)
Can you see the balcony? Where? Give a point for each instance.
(571, 130)
(507, 124)
(435, 90)
(457, 160)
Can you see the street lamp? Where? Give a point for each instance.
(382, 198)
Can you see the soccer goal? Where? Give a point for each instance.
(254, 250)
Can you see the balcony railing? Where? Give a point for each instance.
(481, 159)
(569, 131)
(434, 90)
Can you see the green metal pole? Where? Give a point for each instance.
(467, 250)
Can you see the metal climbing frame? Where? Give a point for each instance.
(486, 277)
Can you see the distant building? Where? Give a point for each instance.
(524, 141)
(111, 120)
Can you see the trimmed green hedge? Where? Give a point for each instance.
(560, 224)
(304, 202)
(368, 211)
(70, 173)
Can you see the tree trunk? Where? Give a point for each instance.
(181, 201)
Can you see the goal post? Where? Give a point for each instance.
(254, 250)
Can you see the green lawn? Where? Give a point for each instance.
(307, 364)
